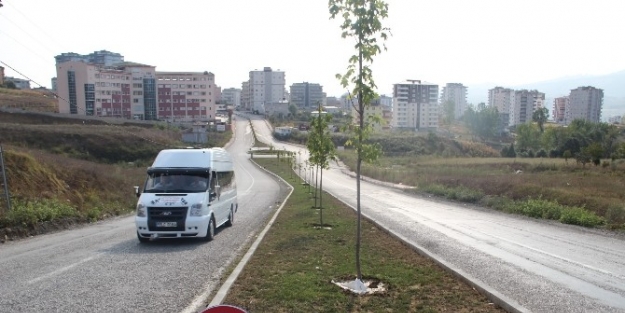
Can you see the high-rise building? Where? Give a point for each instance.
(415, 105)
(559, 108)
(501, 98)
(515, 106)
(231, 96)
(584, 103)
(457, 93)
(306, 95)
(524, 104)
(245, 96)
(386, 101)
(137, 91)
(102, 58)
(266, 86)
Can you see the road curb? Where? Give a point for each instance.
(493, 295)
(223, 290)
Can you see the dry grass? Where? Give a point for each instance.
(61, 170)
(598, 189)
(29, 100)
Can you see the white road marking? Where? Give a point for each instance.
(61, 270)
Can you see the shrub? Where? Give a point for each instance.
(581, 217)
(30, 213)
(460, 193)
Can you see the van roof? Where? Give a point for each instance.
(187, 158)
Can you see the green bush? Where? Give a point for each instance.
(455, 193)
(581, 217)
(30, 213)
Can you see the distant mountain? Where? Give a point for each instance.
(613, 86)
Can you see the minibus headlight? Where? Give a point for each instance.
(196, 210)
(141, 210)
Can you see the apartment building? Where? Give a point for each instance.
(265, 87)
(515, 106)
(415, 105)
(231, 96)
(386, 101)
(375, 108)
(125, 91)
(19, 83)
(135, 91)
(245, 96)
(457, 93)
(187, 96)
(306, 95)
(559, 107)
(524, 104)
(584, 103)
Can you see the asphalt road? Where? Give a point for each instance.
(532, 265)
(103, 267)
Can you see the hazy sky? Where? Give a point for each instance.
(503, 42)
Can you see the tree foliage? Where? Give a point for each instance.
(483, 121)
(540, 116)
(449, 112)
(528, 137)
(362, 21)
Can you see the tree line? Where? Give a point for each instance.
(583, 140)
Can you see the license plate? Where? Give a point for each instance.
(166, 224)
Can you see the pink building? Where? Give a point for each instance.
(187, 96)
(135, 91)
(559, 108)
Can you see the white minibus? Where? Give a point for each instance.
(188, 193)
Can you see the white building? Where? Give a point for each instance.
(245, 96)
(415, 105)
(457, 93)
(584, 103)
(266, 87)
(501, 98)
(19, 83)
(524, 104)
(231, 96)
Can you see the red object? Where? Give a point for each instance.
(224, 309)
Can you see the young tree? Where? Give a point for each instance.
(362, 21)
(449, 113)
(322, 151)
(540, 117)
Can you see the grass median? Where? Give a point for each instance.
(293, 268)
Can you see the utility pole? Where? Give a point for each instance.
(4, 179)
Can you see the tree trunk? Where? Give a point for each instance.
(320, 197)
(359, 157)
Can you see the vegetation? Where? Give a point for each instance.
(483, 121)
(362, 21)
(62, 172)
(322, 151)
(301, 280)
(28, 100)
(587, 196)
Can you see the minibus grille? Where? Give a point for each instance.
(167, 218)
